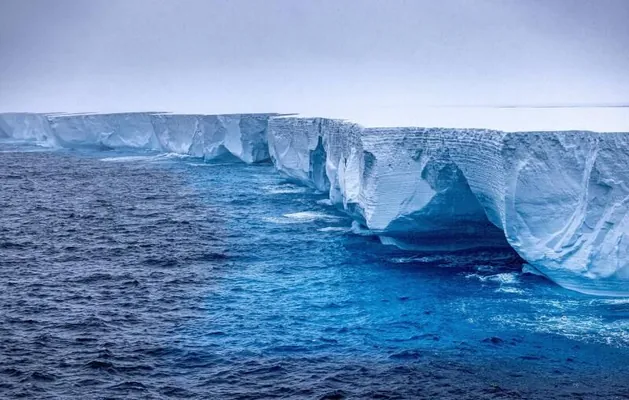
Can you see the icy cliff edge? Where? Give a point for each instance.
(560, 199)
(209, 136)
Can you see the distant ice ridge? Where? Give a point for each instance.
(560, 199)
(209, 136)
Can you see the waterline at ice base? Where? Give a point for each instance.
(560, 199)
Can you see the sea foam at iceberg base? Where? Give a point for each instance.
(560, 199)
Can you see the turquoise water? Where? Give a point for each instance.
(146, 275)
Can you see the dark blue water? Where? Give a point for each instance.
(155, 276)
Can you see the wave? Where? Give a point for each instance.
(147, 158)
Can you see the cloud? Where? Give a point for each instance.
(349, 57)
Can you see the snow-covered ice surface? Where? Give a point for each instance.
(559, 198)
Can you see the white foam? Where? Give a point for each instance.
(615, 301)
(360, 230)
(333, 229)
(404, 260)
(176, 155)
(577, 327)
(147, 158)
(504, 278)
(324, 202)
(309, 216)
(300, 218)
(192, 164)
(509, 289)
(129, 159)
(284, 189)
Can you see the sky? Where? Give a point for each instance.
(373, 61)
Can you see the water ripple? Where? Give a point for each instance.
(145, 276)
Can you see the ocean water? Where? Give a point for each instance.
(139, 275)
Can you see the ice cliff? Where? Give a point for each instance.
(27, 127)
(209, 136)
(560, 199)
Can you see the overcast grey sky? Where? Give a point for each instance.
(342, 58)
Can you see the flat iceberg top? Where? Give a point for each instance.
(130, 113)
(513, 119)
(508, 119)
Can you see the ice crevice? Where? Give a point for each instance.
(559, 199)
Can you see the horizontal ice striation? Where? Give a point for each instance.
(415, 196)
(560, 197)
(209, 136)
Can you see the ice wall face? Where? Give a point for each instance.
(309, 150)
(209, 136)
(27, 127)
(175, 133)
(212, 136)
(253, 138)
(129, 130)
(296, 148)
(400, 183)
(416, 197)
(4, 129)
(562, 200)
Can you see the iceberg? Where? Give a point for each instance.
(209, 136)
(29, 127)
(415, 196)
(212, 136)
(308, 150)
(560, 199)
(125, 130)
(396, 182)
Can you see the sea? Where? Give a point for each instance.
(138, 275)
